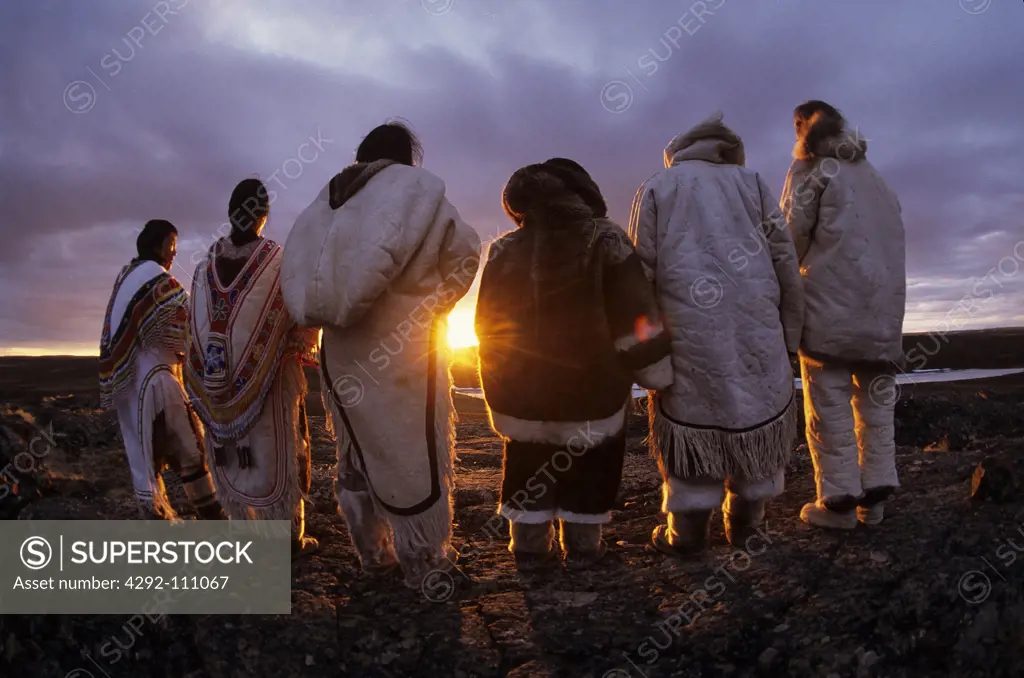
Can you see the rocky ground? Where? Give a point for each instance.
(933, 591)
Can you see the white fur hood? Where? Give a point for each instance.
(710, 140)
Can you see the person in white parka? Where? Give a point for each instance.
(849, 235)
(378, 260)
(711, 238)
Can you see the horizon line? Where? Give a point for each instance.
(5, 355)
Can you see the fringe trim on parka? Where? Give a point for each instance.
(685, 451)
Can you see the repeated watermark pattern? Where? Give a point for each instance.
(699, 601)
(29, 461)
(350, 388)
(442, 7)
(117, 648)
(292, 168)
(982, 291)
(975, 6)
(708, 290)
(80, 96)
(617, 95)
(438, 585)
(975, 586)
(437, 7)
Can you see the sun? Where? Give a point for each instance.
(460, 329)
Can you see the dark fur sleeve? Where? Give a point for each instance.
(641, 340)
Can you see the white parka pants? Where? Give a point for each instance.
(849, 417)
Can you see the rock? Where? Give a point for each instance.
(985, 625)
(534, 669)
(780, 628)
(575, 599)
(994, 479)
(474, 497)
(799, 667)
(309, 660)
(11, 648)
(768, 659)
(867, 660)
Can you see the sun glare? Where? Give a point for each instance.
(460, 329)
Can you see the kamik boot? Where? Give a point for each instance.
(685, 534)
(532, 545)
(871, 509)
(741, 518)
(834, 513)
(582, 545)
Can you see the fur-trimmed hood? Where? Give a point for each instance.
(710, 140)
(827, 138)
(557, 218)
(342, 263)
(347, 183)
(551, 196)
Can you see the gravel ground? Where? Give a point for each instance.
(935, 590)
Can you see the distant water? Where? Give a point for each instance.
(920, 377)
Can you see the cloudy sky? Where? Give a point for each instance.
(113, 112)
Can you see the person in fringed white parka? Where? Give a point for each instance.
(711, 237)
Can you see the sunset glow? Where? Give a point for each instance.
(77, 350)
(460, 329)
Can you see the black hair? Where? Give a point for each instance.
(151, 239)
(249, 203)
(391, 141)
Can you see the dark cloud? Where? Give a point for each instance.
(228, 90)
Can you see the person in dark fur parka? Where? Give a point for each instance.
(566, 321)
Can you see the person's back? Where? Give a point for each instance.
(140, 377)
(378, 259)
(850, 239)
(849, 235)
(244, 372)
(712, 240)
(566, 319)
(705, 229)
(546, 327)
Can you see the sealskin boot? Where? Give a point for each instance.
(871, 509)
(834, 513)
(532, 545)
(741, 518)
(685, 534)
(582, 545)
